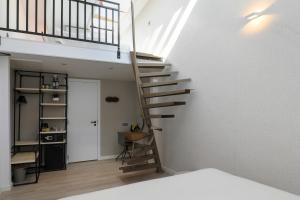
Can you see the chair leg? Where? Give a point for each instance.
(132, 150)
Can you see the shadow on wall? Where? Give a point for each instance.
(257, 17)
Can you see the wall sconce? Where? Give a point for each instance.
(253, 16)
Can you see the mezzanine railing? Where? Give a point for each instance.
(94, 21)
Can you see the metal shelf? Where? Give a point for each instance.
(27, 143)
(48, 143)
(53, 118)
(28, 90)
(24, 158)
(53, 132)
(53, 90)
(53, 104)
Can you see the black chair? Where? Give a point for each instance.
(126, 147)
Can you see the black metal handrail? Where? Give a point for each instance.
(96, 21)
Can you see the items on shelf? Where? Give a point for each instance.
(22, 100)
(55, 98)
(55, 82)
(45, 127)
(45, 86)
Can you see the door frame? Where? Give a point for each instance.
(98, 109)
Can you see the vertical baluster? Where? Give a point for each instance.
(7, 14)
(99, 24)
(105, 25)
(84, 19)
(62, 18)
(70, 20)
(36, 16)
(77, 27)
(27, 14)
(113, 26)
(92, 18)
(18, 10)
(53, 18)
(45, 17)
(119, 52)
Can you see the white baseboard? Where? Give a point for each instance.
(169, 170)
(108, 157)
(5, 189)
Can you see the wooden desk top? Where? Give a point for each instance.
(23, 158)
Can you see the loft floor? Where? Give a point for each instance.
(77, 179)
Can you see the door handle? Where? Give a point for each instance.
(94, 122)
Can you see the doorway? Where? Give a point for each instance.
(84, 120)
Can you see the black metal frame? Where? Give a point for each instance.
(41, 114)
(19, 74)
(106, 6)
(19, 81)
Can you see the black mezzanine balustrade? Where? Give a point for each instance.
(94, 21)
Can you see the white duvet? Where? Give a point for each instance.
(207, 184)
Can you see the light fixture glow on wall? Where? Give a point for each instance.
(253, 16)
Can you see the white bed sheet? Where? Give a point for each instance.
(207, 184)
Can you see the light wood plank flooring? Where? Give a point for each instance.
(79, 178)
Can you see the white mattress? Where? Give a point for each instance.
(208, 184)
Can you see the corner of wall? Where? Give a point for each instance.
(169, 171)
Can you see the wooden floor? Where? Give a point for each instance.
(79, 178)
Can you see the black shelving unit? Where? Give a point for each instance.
(49, 143)
(57, 139)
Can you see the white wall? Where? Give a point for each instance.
(244, 115)
(5, 177)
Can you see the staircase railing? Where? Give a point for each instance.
(133, 58)
(133, 27)
(80, 20)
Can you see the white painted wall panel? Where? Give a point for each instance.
(244, 115)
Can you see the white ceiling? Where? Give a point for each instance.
(75, 68)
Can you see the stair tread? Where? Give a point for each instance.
(132, 168)
(152, 67)
(164, 83)
(164, 104)
(167, 93)
(161, 116)
(146, 147)
(156, 74)
(153, 64)
(140, 159)
(147, 55)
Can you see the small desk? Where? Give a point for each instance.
(127, 140)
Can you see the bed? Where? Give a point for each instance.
(207, 184)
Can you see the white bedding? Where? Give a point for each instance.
(208, 184)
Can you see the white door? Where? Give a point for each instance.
(83, 114)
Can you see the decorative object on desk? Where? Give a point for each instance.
(55, 98)
(22, 100)
(135, 128)
(55, 82)
(112, 99)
